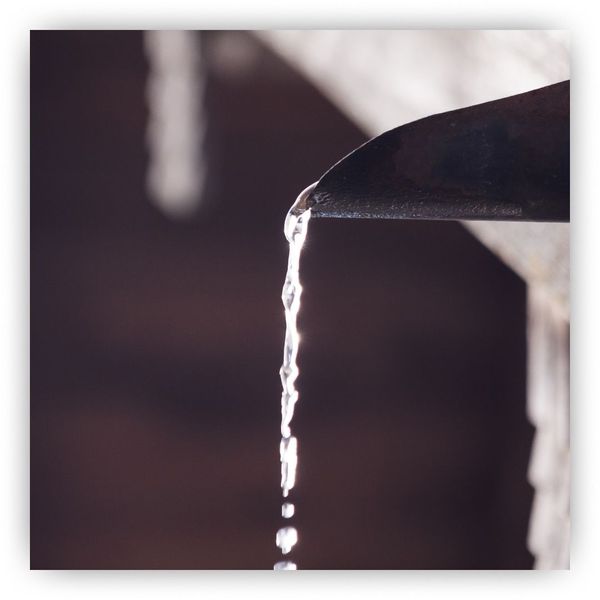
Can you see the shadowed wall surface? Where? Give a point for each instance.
(155, 344)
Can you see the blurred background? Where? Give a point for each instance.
(162, 168)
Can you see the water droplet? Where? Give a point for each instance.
(288, 377)
(285, 565)
(290, 295)
(286, 539)
(288, 401)
(295, 228)
(287, 510)
(288, 452)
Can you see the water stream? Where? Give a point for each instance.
(295, 229)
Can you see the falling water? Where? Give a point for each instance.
(295, 229)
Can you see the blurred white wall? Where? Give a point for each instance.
(384, 78)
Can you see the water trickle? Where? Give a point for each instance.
(295, 229)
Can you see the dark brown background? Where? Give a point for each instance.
(155, 344)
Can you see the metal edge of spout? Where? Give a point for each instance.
(303, 201)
